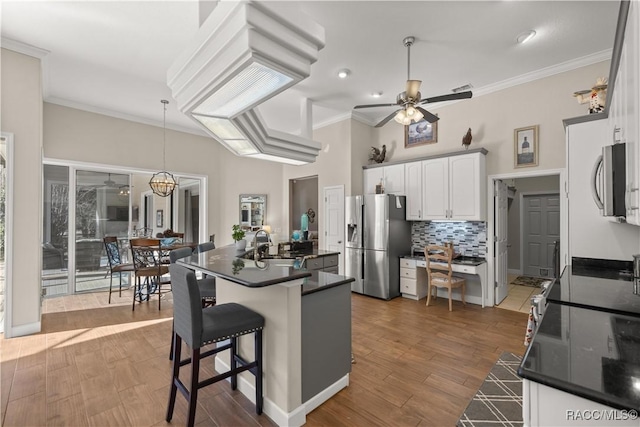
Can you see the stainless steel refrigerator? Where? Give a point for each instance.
(377, 236)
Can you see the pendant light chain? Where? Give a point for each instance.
(163, 183)
(164, 135)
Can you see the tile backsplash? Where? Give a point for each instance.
(469, 238)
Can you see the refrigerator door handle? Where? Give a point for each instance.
(363, 264)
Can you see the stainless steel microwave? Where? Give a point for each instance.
(608, 181)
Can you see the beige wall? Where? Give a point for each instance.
(524, 185)
(493, 118)
(361, 143)
(333, 167)
(71, 134)
(22, 116)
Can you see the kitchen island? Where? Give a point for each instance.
(307, 334)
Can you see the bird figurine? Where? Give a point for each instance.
(466, 139)
(377, 155)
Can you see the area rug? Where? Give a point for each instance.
(529, 281)
(498, 402)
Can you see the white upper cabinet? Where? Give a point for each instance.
(391, 177)
(435, 189)
(447, 188)
(413, 185)
(467, 178)
(627, 81)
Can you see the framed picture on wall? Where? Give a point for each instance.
(159, 218)
(420, 133)
(525, 148)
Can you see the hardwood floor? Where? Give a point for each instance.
(99, 365)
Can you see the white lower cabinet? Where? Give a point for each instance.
(546, 406)
(413, 280)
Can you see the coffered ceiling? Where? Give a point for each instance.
(111, 57)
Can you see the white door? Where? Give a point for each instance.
(413, 184)
(334, 221)
(435, 189)
(500, 239)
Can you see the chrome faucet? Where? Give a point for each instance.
(257, 248)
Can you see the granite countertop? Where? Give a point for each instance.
(589, 353)
(461, 260)
(224, 262)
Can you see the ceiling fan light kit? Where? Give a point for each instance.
(410, 100)
(163, 183)
(243, 54)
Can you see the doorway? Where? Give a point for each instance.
(506, 263)
(304, 200)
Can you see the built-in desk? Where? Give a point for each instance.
(413, 279)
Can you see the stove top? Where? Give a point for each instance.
(602, 285)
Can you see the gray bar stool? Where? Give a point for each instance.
(199, 327)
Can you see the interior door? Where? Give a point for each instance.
(540, 229)
(334, 221)
(500, 239)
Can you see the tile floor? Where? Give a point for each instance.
(519, 297)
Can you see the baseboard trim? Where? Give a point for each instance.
(295, 418)
(22, 330)
(326, 394)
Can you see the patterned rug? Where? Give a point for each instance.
(498, 402)
(534, 282)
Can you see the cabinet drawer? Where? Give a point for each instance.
(314, 264)
(333, 270)
(464, 269)
(408, 286)
(407, 263)
(330, 261)
(408, 273)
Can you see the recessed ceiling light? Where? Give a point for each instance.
(526, 36)
(376, 94)
(344, 73)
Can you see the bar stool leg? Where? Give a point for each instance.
(234, 365)
(177, 349)
(193, 392)
(258, 351)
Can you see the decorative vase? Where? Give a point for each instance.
(241, 245)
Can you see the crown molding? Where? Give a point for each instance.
(542, 73)
(123, 116)
(23, 48)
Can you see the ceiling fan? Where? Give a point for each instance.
(410, 101)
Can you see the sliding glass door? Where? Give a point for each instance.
(101, 209)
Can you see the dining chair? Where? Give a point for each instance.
(144, 232)
(440, 273)
(222, 324)
(116, 265)
(148, 266)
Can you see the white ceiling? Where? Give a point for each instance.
(111, 57)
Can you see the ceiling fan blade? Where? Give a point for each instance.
(430, 117)
(386, 119)
(413, 88)
(375, 105)
(448, 97)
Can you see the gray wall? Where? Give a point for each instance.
(524, 185)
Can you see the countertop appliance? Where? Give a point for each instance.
(377, 236)
(608, 180)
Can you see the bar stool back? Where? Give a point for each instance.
(198, 327)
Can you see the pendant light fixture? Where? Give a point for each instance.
(163, 183)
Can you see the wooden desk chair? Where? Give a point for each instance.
(440, 276)
(115, 262)
(147, 264)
